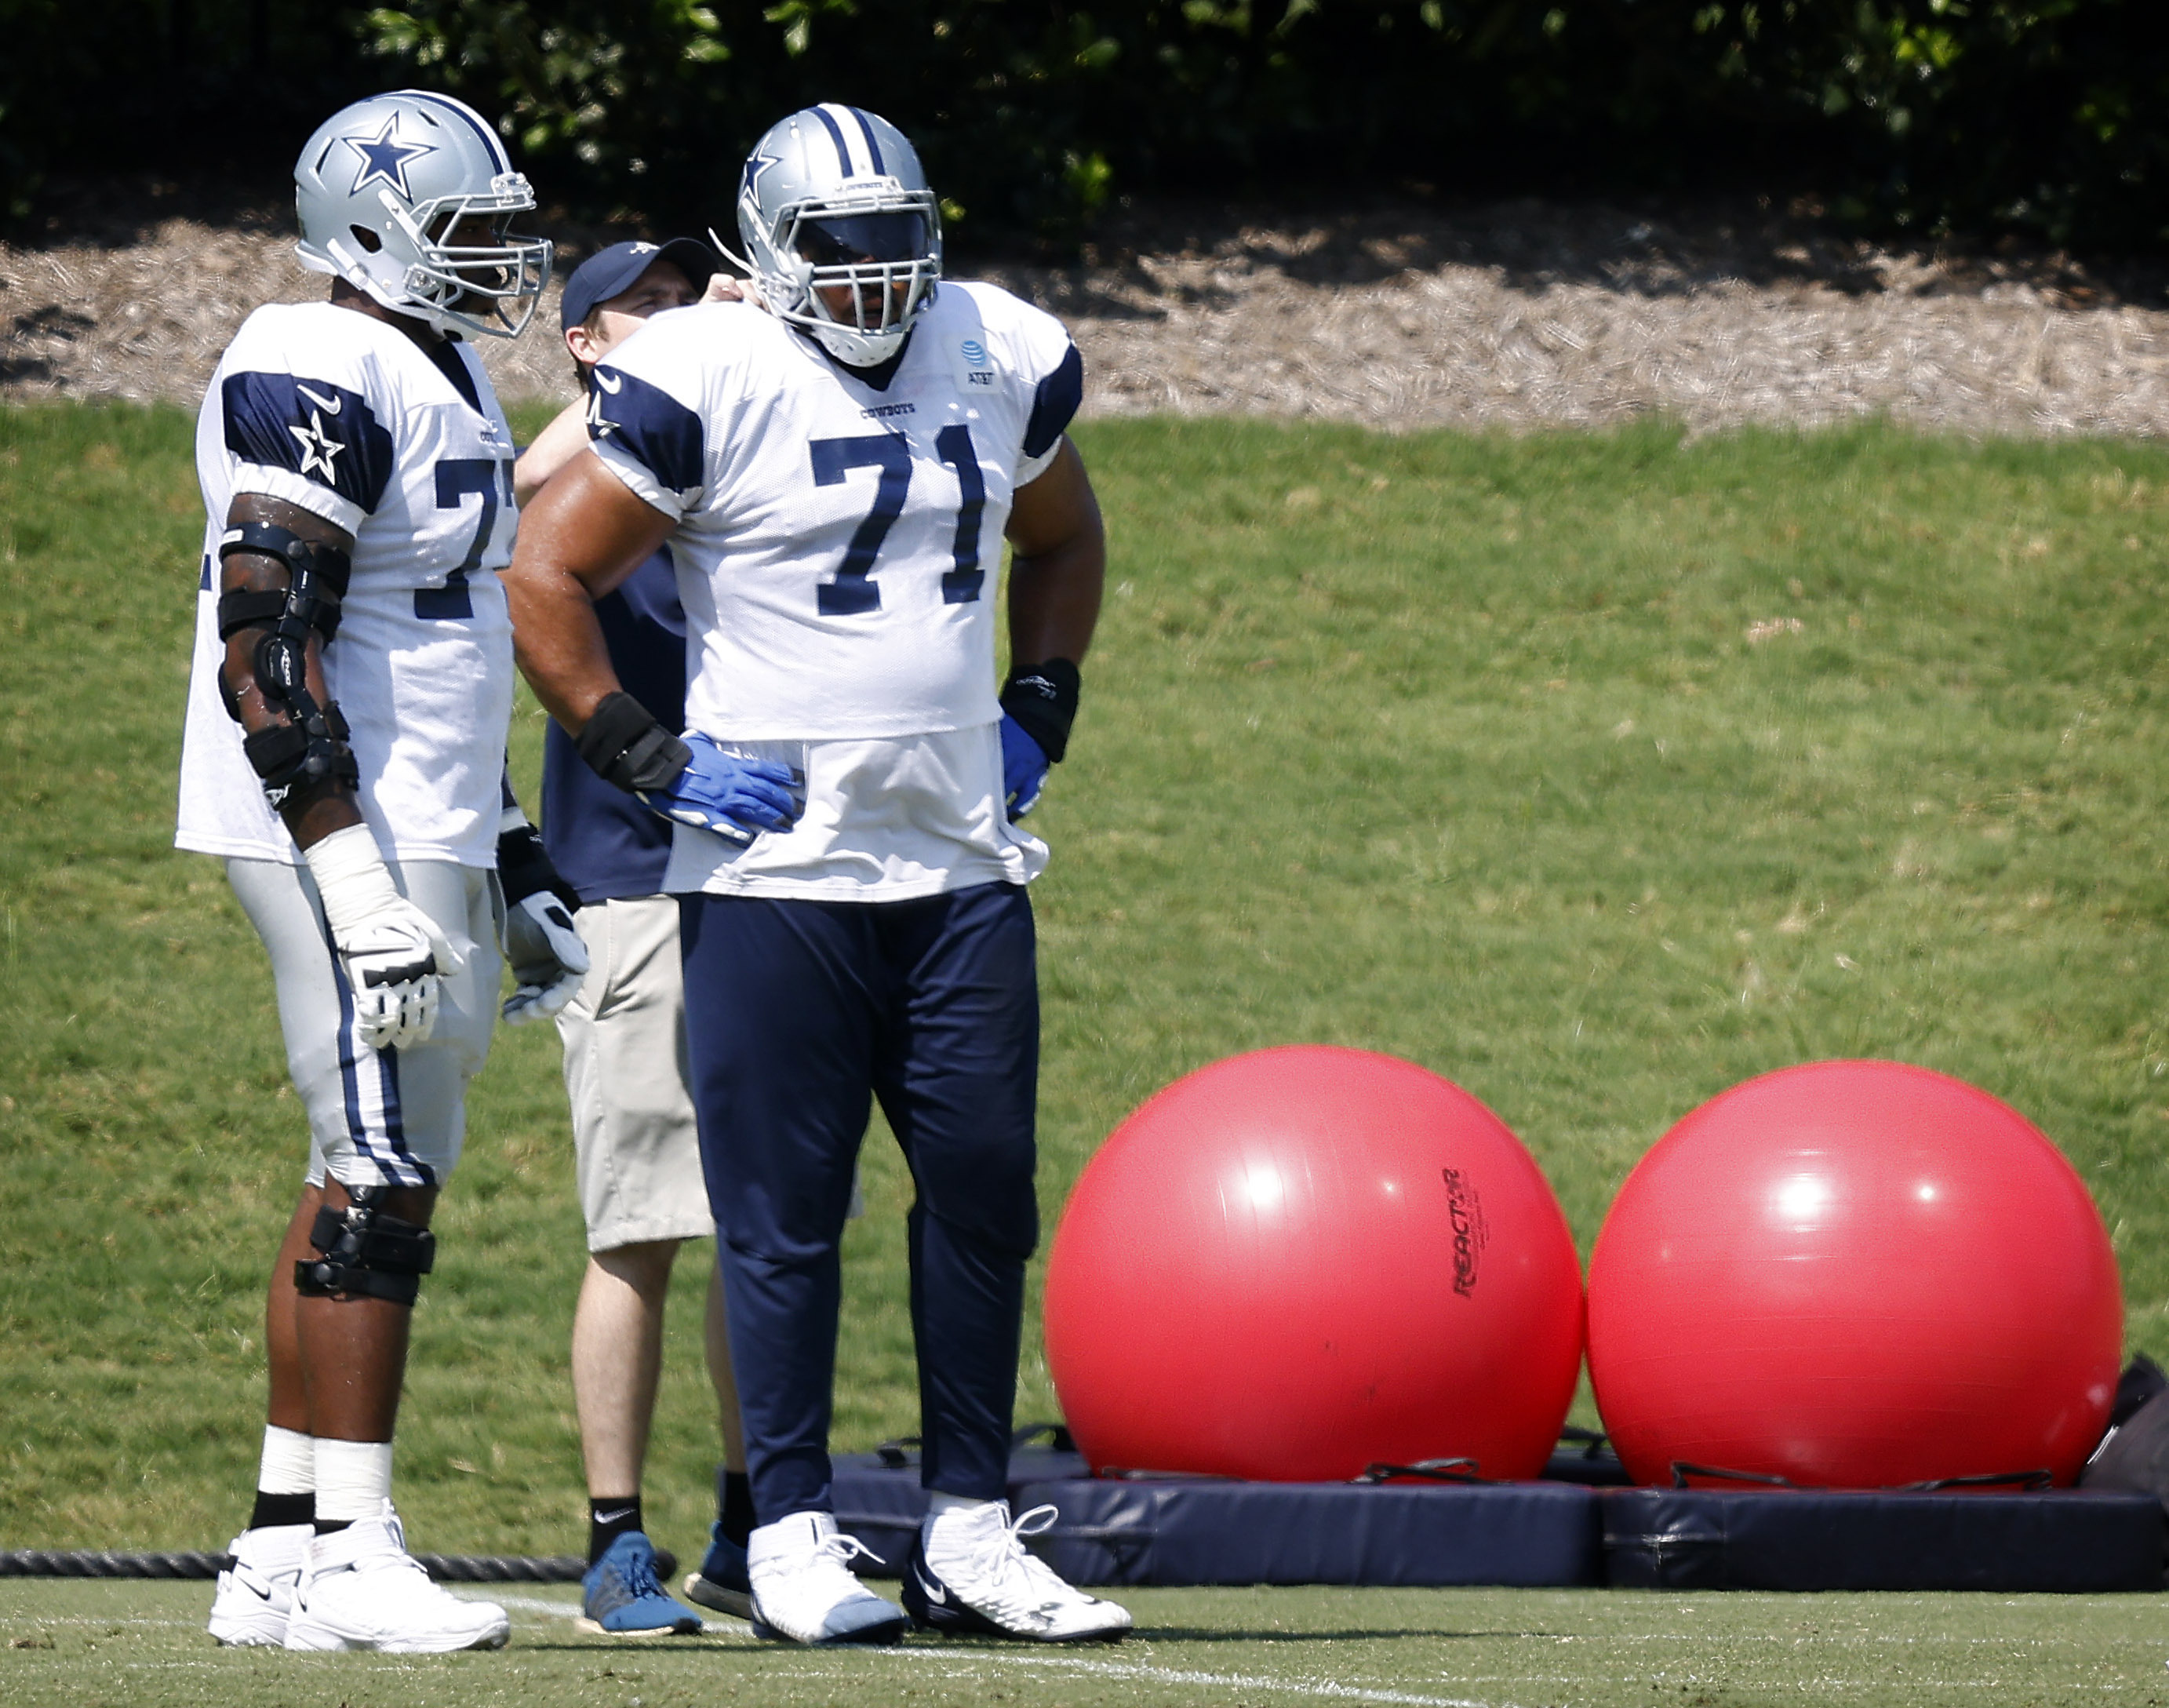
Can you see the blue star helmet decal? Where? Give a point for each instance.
(384, 158)
(756, 163)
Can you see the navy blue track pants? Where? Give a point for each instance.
(798, 1014)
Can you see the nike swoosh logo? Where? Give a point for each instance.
(934, 1592)
(330, 406)
(612, 1517)
(603, 379)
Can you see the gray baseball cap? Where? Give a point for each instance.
(609, 271)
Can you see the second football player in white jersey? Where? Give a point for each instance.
(835, 470)
(347, 707)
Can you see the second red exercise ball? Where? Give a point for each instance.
(1292, 1264)
(1854, 1274)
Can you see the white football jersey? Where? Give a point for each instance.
(838, 549)
(837, 545)
(406, 450)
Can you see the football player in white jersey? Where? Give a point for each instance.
(347, 708)
(833, 468)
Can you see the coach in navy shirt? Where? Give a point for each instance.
(634, 1138)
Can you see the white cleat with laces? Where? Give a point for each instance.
(800, 1568)
(361, 1589)
(971, 1576)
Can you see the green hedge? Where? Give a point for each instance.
(2047, 116)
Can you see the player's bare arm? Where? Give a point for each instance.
(1058, 570)
(315, 808)
(283, 573)
(585, 534)
(556, 445)
(1060, 565)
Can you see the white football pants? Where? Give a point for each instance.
(394, 1118)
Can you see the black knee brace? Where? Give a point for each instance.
(365, 1252)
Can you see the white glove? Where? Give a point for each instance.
(547, 957)
(393, 952)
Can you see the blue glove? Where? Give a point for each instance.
(1024, 768)
(737, 798)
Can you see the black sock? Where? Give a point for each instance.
(608, 1521)
(734, 1505)
(282, 1509)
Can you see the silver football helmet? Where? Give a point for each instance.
(841, 230)
(382, 189)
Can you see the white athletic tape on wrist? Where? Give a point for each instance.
(351, 877)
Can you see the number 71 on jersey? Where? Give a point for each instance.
(852, 591)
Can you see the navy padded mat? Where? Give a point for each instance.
(1524, 1534)
(1177, 1531)
(2077, 1541)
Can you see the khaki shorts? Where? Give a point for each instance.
(636, 1150)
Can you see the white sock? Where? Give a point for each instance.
(940, 1506)
(289, 1465)
(354, 1479)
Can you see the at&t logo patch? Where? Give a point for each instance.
(975, 368)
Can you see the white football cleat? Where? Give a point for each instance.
(802, 1587)
(256, 1593)
(361, 1589)
(970, 1576)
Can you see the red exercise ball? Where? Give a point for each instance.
(1291, 1265)
(1854, 1274)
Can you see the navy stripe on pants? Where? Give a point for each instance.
(798, 1014)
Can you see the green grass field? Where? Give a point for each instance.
(1594, 771)
(1481, 1648)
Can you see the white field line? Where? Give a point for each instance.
(1323, 1689)
(712, 1624)
(523, 1603)
(43, 1621)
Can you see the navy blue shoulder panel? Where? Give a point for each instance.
(649, 426)
(445, 354)
(322, 432)
(1054, 403)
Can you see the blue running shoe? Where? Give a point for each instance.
(620, 1596)
(722, 1582)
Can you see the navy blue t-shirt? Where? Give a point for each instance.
(603, 841)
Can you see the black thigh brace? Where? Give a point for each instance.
(311, 748)
(365, 1252)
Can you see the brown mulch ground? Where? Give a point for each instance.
(1516, 315)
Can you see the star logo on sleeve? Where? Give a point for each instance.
(384, 158)
(597, 427)
(319, 447)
